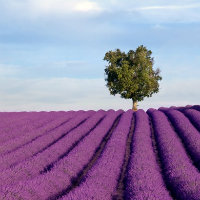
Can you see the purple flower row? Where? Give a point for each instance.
(182, 178)
(9, 118)
(192, 113)
(144, 179)
(59, 178)
(187, 132)
(25, 170)
(24, 126)
(23, 138)
(41, 143)
(16, 123)
(194, 116)
(101, 180)
(20, 120)
(196, 107)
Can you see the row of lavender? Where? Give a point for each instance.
(43, 161)
(57, 148)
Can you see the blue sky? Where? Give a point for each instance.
(51, 51)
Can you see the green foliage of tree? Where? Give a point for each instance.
(131, 75)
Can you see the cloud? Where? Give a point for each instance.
(175, 92)
(169, 7)
(165, 13)
(48, 6)
(9, 70)
(86, 6)
(37, 8)
(66, 68)
(76, 94)
(54, 94)
(151, 11)
(62, 6)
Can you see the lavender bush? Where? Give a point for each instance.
(144, 179)
(109, 155)
(182, 177)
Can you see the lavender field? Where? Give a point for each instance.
(101, 155)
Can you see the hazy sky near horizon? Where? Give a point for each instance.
(51, 51)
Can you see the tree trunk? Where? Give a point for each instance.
(134, 105)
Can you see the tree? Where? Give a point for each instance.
(131, 75)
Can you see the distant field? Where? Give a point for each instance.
(101, 155)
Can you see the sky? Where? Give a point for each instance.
(51, 52)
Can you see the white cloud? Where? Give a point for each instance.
(65, 68)
(169, 7)
(175, 92)
(9, 70)
(86, 94)
(148, 11)
(164, 12)
(37, 8)
(55, 94)
(86, 6)
(62, 6)
(49, 6)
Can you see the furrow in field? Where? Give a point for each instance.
(196, 107)
(143, 178)
(158, 160)
(194, 117)
(61, 175)
(88, 115)
(15, 124)
(101, 180)
(120, 189)
(91, 125)
(50, 116)
(25, 139)
(43, 142)
(24, 128)
(20, 121)
(182, 178)
(8, 119)
(47, 159)
(189, 135)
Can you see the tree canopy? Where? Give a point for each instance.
(131, 75)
